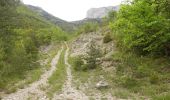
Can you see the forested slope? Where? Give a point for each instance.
(22, 32)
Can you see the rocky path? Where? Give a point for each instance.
(69, 92)
(34, 92)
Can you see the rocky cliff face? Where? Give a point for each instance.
(101, 12)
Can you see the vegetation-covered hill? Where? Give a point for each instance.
(22, 32)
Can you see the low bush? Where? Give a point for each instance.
(78, 63)
(92, 56)
(83, 63)
(154, 78)
(107, 38)
(87, 27)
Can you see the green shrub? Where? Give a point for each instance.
(92, 56)
(107, 38)
(90, 59)
(87, 27)
(78, 64)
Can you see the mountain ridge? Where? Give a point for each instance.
(93, 15)
(66, 26)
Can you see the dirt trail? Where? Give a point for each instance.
(69, 92)
(34, 92)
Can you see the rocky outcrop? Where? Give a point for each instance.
(101, 12)
(102, 84)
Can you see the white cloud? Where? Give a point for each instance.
(70, 10)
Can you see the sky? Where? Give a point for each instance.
(71, 10)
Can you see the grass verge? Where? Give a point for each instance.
(58, 78)
(144, 75)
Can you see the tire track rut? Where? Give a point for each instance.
(69, 92)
